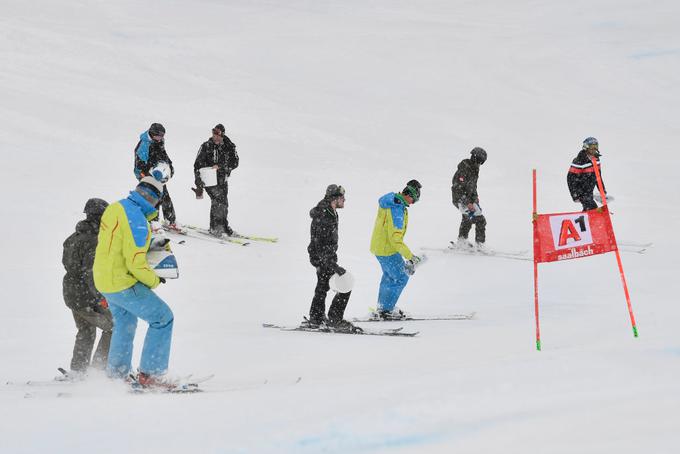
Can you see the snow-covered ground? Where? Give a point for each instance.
(367, 95)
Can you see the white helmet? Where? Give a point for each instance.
(162, 172)
(163, 262)
(342, 284)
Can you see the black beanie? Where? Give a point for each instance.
(219, 127)
(156, 129)
(413, 189)
(333, 191)
(94, 208)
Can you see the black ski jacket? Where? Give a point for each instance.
(148, 155)
(464, 183)
(581, 178)
(323, 246)
(78, 258)
(210, 154)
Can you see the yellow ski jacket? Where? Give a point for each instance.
(124, 237)
(390, 228)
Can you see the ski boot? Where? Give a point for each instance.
(313, 323)
(462, 244)
(159, 382)
(394, 314)
(343, 326)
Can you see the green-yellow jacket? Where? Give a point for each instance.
(390, 227)
(124, 237)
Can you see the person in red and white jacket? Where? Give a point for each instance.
(581, 178)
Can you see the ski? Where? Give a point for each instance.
(512, 255)
(185, 385)
(236, 236)
(328, 330)
(632, 249)
(407, 318)
(635, 244)
(207, 237)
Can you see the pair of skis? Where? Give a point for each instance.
(329, 330)
(524, 255)
(396, 332)
(200, 233)
(182, 385)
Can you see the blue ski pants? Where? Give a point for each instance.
(393, 281)
(139, 301)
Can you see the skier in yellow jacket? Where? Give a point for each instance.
(387, 244)
(122, 274)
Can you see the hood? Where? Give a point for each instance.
(88, 226)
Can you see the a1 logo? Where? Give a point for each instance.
(570, 230)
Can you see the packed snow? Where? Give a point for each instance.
(367, 95)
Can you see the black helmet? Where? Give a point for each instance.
(412, 189)
(156, 129)
(94, 208)
(478, 155)
(334, 191)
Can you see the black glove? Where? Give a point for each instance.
(162, 279)
(198, 191)
(340, 270)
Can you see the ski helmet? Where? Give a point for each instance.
(412, 189)
(333, 191)
(478, 155)
(341, 284)
(162, 172)
(151, 187)
(156, 129)
(590, 143)
(94, 208)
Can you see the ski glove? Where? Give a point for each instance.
(198, 191)
(410, 265)
(340, 270)
(162, 279)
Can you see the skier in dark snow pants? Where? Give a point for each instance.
(149, 152)
(218, 152)
(465, 198)
(80, 295)
(322, 249)
(581, 178)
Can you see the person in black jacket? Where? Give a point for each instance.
(581, 178)
(88, 306)
(465, 198)
(149, 153)
(323, 247)
(219, 153)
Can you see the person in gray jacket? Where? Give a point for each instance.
(88, 306)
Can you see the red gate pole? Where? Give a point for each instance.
(600, 187)
(534, 219)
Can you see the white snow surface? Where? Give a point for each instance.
(367, 95)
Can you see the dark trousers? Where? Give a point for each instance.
(480, 227)
(318, 309)
(219, 208)
(87, 321)
(168, 208)
(587, 202)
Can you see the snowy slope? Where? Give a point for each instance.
(367, 95)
